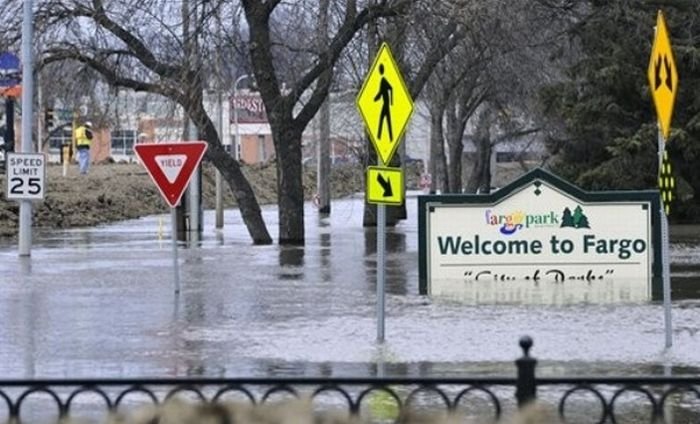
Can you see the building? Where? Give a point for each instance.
(135, 117)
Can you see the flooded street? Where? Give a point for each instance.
(99, 302)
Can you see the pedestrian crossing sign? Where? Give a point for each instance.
(385, 104)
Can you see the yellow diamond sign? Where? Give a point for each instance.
(385, 104)
(663, 76)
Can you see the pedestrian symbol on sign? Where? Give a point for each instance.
(385, 95)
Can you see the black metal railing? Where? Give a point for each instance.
(605, 399)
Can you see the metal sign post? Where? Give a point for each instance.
(665, 257)
(663, 81)
(176, 268)
(386, 106)
(381, 265)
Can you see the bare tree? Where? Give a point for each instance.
(290, 112)
(493, 75)
(149, 46)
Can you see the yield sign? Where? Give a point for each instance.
(171, 165)
(663, 76)
(385, 104)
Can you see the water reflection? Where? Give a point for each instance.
(541, 292)
(395, 263)
(291, 261)
(396, 266)
(325, 250)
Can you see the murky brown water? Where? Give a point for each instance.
(99, 302)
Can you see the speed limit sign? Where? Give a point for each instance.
(25, 176)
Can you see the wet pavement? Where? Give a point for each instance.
(99, 302)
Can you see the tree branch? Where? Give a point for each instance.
(352, 23)
(112, 77)
(440, 48)
(140, 50)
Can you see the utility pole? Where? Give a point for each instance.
(191, 56)
(195, 195)
(39, 115)
(25, 206)
(323, 170)
(219, 213)
(219, 183)
(10, 124)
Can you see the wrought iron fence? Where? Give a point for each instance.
(603, 394)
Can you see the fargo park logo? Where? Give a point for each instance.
(511, 223)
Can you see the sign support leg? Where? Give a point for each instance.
(176, 269)
(381, 235)
(666, 271)
(665, 258)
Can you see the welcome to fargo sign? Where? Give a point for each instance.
(539, 228)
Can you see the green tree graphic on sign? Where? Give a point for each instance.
(580, 220)
(567, 220)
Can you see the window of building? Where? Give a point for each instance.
(123, 142)
(59, 138)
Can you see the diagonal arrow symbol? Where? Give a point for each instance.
(386, 185)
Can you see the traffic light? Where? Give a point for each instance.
(49, 119)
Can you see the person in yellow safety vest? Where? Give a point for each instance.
(83, 137)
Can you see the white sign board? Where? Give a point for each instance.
(537, 232)
(26, 174)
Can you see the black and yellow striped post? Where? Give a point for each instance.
(667, 183)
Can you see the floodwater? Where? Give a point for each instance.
(99, 302)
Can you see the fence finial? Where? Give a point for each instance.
(526, 345)
(526, 387)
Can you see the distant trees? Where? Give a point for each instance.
(485, 89)
(606, 134)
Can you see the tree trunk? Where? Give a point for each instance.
(454, 148)
(482, 157)
(438, 168)
(242, 191)
(369, 218)
(323, 173)
(290, 187)
(231, 172)
(485, 177)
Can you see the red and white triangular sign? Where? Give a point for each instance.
(171, 165)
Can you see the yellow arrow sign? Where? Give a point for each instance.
(385, 104)
(663, 76)
(384, 185)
